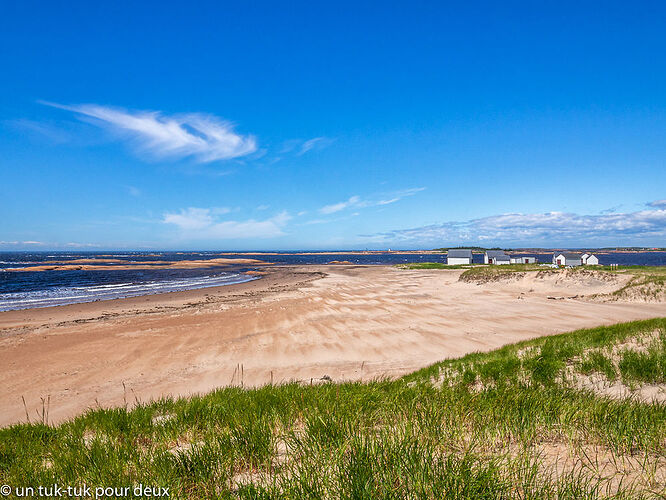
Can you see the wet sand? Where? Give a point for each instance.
(295, 323)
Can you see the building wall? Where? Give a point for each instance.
(454, 261)
(592, 261)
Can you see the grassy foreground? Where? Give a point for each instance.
(512, 423)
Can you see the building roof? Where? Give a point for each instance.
(460, 253)
(495, 253)
(502, 257)
(568, 255)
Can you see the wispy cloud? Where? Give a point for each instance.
(316, 143)
(538, 229)
(357, 202)
(13, 243)
(657, 204)
(203, 137)
(32, 244)
(336, 207)
(300, 147)
(203, 224)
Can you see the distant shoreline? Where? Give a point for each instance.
(108, 253)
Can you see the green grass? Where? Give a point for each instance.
(434, 265)
(474, 427)
(645, 366)
(597, 362)
(492, 273)
(643, 284)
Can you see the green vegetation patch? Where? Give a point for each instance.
(434, 265)
(483, 274)
(597, 362)
(647, 366)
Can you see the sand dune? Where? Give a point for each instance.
(346, 322)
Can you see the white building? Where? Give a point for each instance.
(458, 257)
(496, 257)
(567, 259)
(515, 259)
(589, 259)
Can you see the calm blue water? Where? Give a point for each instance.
(21, 290)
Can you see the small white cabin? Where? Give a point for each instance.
(523, 260)
(590, 260)
(496, 257)
(459, 256)
(567, 259)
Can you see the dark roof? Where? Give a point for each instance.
(502, 257)
(460, 253)
(495, 253)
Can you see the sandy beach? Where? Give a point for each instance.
(295, 323)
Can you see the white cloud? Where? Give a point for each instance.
(315, 143)
(200, 223)
(657, 204)
(190, 219)
(21, 244)
(357, 202)
(543, 228)
(203, 137)
(336, 207)
(81, 245)
(300, 147)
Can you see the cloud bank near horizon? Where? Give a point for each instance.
(196, 225)
(540, 229)
(203, 137)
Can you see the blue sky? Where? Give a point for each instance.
(321, 125)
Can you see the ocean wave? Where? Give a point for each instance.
(79, 294)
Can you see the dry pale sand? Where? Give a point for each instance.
(347, 322)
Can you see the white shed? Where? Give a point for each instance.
(459, 256)
(590, 260)
(496, 257)
(515, 259)
(567, 259)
